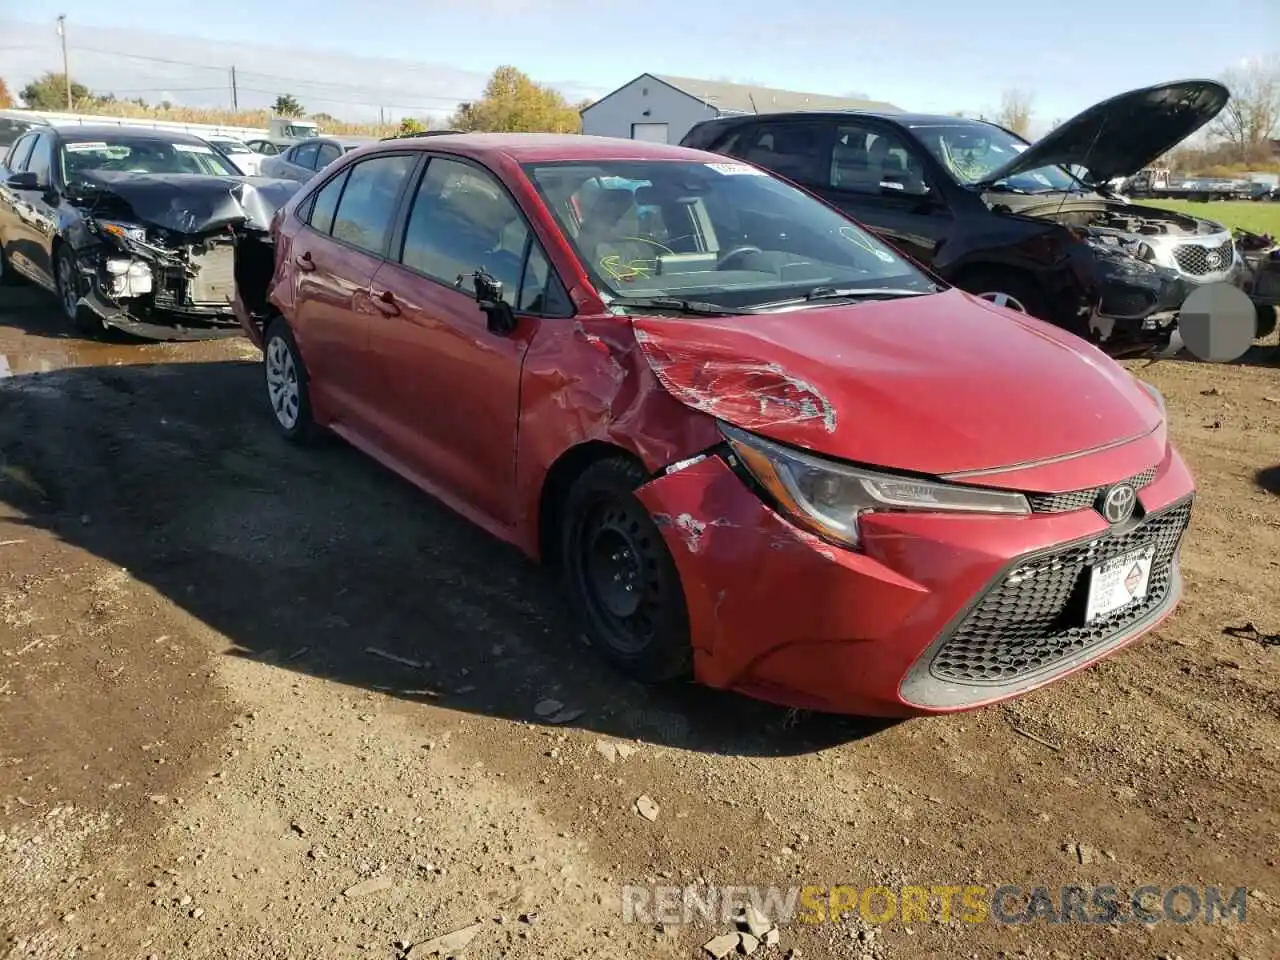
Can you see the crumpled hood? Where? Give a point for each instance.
(939, 384)
(190, 203)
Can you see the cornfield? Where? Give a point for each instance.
(229, 118)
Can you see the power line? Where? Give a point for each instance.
(291, 81)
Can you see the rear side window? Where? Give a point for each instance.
(798, 150)
(369, 201)
(328, 153)
(325, 204)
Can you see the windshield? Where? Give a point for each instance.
(139, 155)
(231, 146)
(973, 151)
(301, 131)
(721, 233)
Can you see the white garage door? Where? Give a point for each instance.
(653, 132)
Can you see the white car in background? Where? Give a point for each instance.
(247, 160)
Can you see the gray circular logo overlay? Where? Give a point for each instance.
(1218, 322)
(1118, 503)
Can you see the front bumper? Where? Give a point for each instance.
(922, 620)
(1137, 303)
(142, 316)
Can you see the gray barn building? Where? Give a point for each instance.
(662, 108)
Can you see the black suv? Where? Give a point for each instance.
(1033, 227)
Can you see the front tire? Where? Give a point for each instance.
(70, 288)
(620, 577)
(8, 276)
(286, 381)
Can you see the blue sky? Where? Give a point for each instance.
(421, 56)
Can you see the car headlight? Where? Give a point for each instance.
(827, 497)
(1134, 247)
(120, 230)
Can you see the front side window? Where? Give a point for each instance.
(870, 160)
(364, 214)
(973, 151)
(718, 232)
(126, 154)
(19, 152)
(41, 160)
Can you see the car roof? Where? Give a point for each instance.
(899, 119)
(543, 147)
(79, 134)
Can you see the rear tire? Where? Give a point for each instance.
(620, 577)
(286, 382)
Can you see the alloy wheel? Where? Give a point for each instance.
(68, 287)
(1004, 300)
(282, 383)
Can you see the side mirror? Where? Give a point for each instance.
(27, 180)
(502, 319)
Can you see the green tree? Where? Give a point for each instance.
(513, 103)
(324, 119)
(49, 92)
(6, 98)
(287, 105)
(412, 125)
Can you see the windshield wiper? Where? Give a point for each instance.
(696, 308)
(844, 293)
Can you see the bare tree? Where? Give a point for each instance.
(1015, 111)
(1252, 115)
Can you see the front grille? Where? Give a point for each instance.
(1079, 499)
(1196, 260)
(215, 283)
(1033, 616)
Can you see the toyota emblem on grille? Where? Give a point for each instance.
(1118, 503)
(1213, 259)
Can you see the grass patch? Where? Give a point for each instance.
(1257, 217)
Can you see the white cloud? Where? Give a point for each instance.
(128, 64)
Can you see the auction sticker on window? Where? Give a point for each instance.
(87, 146)
(1118, 583)
(736, 170)
(192, 148)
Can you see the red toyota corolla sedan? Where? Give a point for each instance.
(768, 452)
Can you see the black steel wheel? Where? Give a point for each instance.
(620, 576)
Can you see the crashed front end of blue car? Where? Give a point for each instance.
(156, 254)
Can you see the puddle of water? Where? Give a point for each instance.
(32, 355)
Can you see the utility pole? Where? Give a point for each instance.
(66, 72)
(235, 100)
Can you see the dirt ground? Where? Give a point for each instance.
(200, 756)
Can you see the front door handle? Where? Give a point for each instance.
(386, 304)
(304, 261)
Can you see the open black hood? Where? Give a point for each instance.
(188, 203)
(1120, 136)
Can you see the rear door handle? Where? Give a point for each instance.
(386, 304)
(304, 261)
